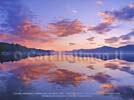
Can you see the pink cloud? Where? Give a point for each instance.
(31, 34)
(66, 27)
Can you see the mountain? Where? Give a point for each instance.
(105, 53)
(127, 49)
(105, 49)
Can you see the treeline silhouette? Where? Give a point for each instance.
(13, 52)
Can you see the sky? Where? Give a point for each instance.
(67, 24)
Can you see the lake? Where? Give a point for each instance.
(67, 77)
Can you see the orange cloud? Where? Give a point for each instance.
(66, 27)
(107, 18)
(28, 30)
(123, 14)
(31, 34)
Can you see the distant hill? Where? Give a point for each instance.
(105, 49)
(127, 49)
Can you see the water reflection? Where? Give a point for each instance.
(104, 78)
(68, 57)
(126, 92)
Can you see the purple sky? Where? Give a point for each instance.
(67, 24)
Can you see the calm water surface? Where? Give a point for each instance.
(67, 78)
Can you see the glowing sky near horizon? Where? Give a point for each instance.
(67, 24)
